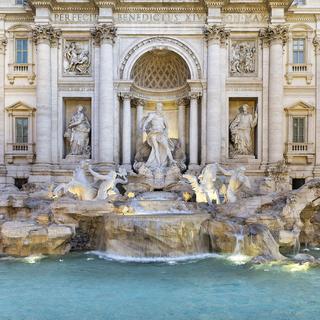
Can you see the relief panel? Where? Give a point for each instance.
(243, 58)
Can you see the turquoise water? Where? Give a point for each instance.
(84, 286)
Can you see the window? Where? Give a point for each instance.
(22, 51)
(298, 129)
(21, 130)
(298, 51)
(299, 2)
(21, 1)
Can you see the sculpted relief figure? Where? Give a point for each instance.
(241, 132)
(77, 133)
(77, 59)
(243, 58)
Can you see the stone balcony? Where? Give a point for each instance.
(299, 153)
(21, 70)
(299, 71)
(20, 151)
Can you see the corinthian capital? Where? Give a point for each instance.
(316, 43)
(216, 32)
(3, 43)
(103, 32)
(46, 33)
(274, 33)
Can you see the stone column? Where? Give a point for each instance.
(193, 130)
(276, 36)
(139, 116)
(44, 36)
(182, 123)
(316, 43)
(214, 34)
(104, 35)
(3, 43)
(126, 129)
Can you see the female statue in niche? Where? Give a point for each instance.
(156, 127)
(240, 131)
(77, 133)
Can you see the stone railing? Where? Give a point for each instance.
(303, 70)
(21, 70)
(296, 147)
(20, 150)
(296, 151)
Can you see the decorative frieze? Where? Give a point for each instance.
(46, 33)
(77, 60)
(274, 33)
(103, 32)
(243, 57)
(216, 32)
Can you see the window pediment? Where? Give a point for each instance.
(300, 108)
(19, 107)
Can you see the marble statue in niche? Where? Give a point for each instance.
(160, 159)
(77, 58)
(241, 136)
(78, 133)
(243, 58)
(156, 127)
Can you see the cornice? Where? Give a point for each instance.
(214, 3)
(300, 18)
(245, 8)
(105, 3)
(41, 3)
(19, 17)
(280, 3)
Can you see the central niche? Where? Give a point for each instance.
(160, 70)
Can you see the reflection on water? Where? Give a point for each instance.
(94, 286)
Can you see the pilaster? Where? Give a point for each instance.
(316, 43)
(275, 37)
(3, 43)
(216, 36)
(44, 37)
(104, 36)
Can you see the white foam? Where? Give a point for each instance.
(169, 260)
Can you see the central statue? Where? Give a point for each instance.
(156, 127)
(159, 160)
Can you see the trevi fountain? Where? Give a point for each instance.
(159, 160)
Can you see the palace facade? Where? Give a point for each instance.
(239, 83)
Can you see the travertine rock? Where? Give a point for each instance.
(24, 238)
